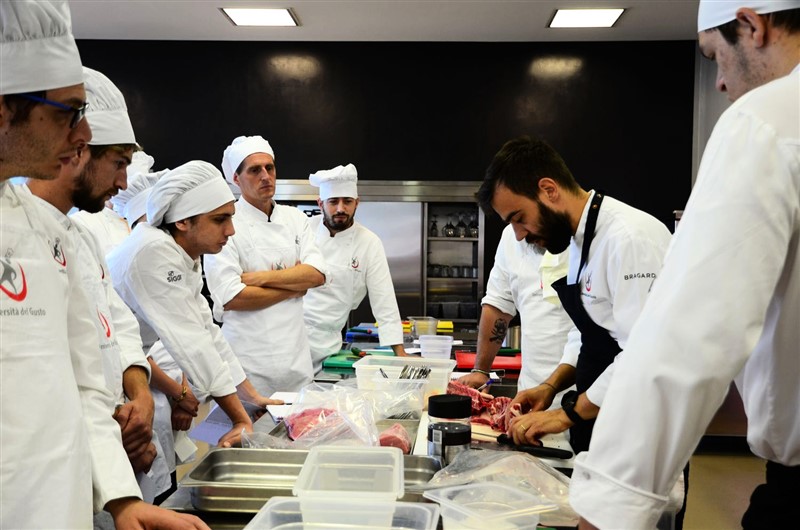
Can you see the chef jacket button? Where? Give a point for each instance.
(586, 476)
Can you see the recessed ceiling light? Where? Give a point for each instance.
(585, 18)
(260, 17)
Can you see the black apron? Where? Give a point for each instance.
(598, 348)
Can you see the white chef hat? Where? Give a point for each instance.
(37, 49)
(241, 148)
(713, 13)
(107, 113)
(141, 162)
(131, 203)
(194, 188)
(337, 182)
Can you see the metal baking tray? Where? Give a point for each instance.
(243, 480)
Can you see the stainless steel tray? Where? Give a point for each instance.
(242, 480)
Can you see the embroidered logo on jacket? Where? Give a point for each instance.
(104, 323)
(13, 284)
(58, 253)
(589, 283)
(172, 277)
(354, 263)
(640, 275)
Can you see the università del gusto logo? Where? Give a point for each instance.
(12, 279)
(58, 252)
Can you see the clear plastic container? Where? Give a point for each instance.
(362, 472)
(491, 505)
(367, 368)
(345, 513)
(423, 326)
(436, 346)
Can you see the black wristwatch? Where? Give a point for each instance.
(568, 404)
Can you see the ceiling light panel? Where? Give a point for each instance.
(260, 17)
(585, 18)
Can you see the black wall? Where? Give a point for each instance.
(419, 111)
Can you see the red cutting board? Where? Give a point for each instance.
(467, 360)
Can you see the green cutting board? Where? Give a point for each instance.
(345, 359)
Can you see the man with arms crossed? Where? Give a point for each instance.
(727, 303)
(356, 265)
(258, 280)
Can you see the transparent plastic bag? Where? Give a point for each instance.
(331, 415)
(516, 469)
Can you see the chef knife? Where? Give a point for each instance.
(535, 450)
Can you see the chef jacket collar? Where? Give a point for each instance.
(580, 232)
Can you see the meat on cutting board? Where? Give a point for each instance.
(485, 411)
(396, 436)
(479, 401)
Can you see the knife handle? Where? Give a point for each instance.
(536, 450)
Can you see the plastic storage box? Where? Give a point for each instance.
(491, 505)
(436, 346)
(367, 369)
(349, 513)
(423, 326)
(370, 473)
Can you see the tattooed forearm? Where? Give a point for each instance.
(499, 331)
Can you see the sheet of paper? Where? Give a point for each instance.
(278, 412)
(217, 423)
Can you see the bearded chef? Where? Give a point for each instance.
(156, 270)
(257, 282)
(357, 265)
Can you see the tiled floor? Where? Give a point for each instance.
(719, 490)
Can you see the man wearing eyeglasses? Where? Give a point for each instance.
(62, 455)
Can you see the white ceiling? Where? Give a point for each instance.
(381, 20)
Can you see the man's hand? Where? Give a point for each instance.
(143, 461)
(234, 436)
(535, 399)
(135, 420)
(135, 514)
(189, 403)
(181, 420)
(528, 428)
(474, 379)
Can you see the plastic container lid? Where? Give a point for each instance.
(493, 505)
(449, 406)
(365, 472)
(292, 513)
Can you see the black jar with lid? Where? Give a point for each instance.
(449, 408)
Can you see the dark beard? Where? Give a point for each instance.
(82, 194)
(556, 231)
(330, 223)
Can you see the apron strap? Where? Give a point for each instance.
(588, 234)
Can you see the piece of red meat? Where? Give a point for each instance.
(396, 436)
(479, 402)
(301, 423)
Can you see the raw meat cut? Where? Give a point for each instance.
(396, 436)
(301, 423)
(479, 401)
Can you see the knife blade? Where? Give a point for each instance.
(534, 450)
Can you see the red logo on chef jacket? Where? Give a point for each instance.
(12, 280)
(104, 323)
(58, 252)
(589, 283)
(354, 263)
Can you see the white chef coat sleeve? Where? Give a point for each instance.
(572, 349)
(127, 331)
(309, 251)
(382, 297)
(498, 288)
(223, 276)
(112, 476)
(222, 346)
(172, 310)
(702, 320)
(632, 269)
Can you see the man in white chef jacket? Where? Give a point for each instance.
(98, 173)
(258, 281)
(517, 282)
(156, 271)
(726, 305)
(615, 252)
(356, 264)
(62, 454)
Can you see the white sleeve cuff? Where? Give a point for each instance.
(608, 503)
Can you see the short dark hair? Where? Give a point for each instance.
(520, 165)
(98, 151)
(789, 19)
(21, 106)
